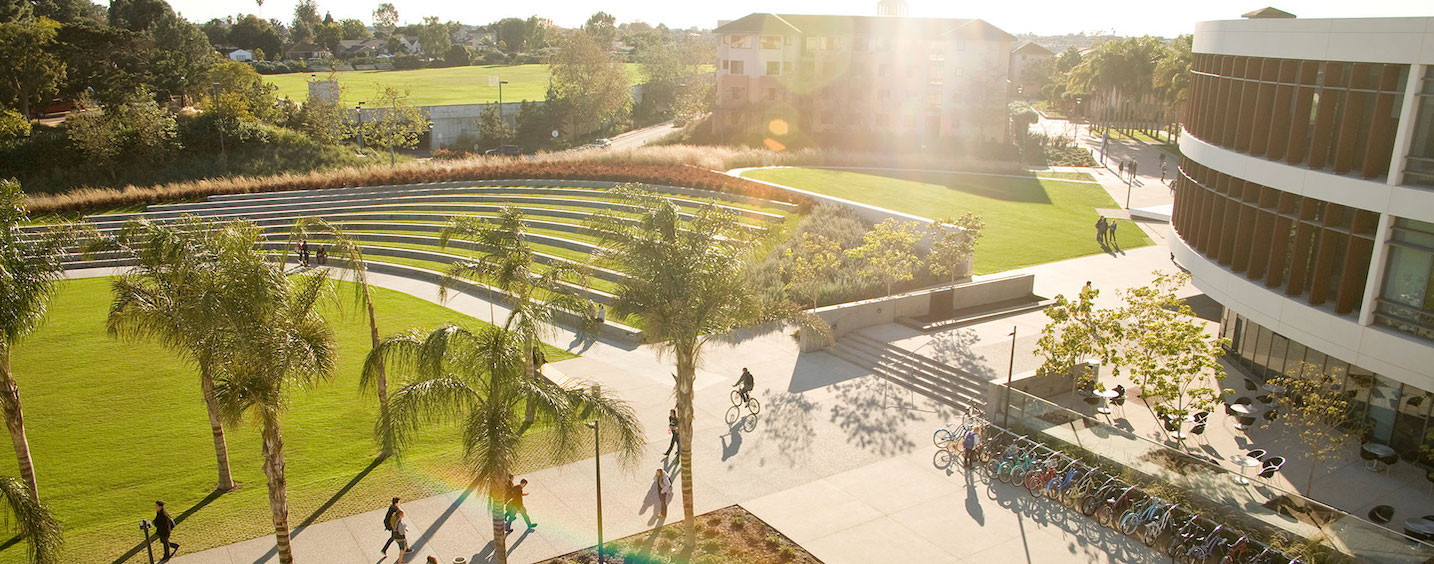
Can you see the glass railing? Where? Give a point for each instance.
(1263, 507)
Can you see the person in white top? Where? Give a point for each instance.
(664, 492)
(400, 534)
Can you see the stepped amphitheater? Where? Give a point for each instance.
(397, 227)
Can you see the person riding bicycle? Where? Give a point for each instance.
(744, 385)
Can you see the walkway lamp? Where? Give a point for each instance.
(1010, 373)
(597, 463)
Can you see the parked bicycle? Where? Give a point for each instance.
(1056, 486)
(1139, 515)
(1016, 473)
(1201, 550)
(1090, 503)
(1183, 536)
(1157, 527)
(1117, 505)
(944, 436)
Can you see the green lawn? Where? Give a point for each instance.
(1028, 220)
(114, 426)
(434, 87)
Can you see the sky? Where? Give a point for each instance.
(1044, 17)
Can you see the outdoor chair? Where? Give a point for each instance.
(1265, 399)
(1245, 421)
(1250, 385)
(1229, 411)
(1118, 401)
(1202, 416)
(1257, 454)
(1272, 465)
(1368, 457)
(1119, 391)
(1246, 401)
(1389, 461)
(1171, 426)
(1381, 514)
(1198, 429)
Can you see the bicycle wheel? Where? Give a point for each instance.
(1090, 504)
(1104, 515)
(736, 398)
(1150, 534)
(941, 438)
(1005, 473)
(942, 460)
(1018, 475)
(754, 405)
(1129, 523)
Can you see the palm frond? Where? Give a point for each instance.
(30, 520)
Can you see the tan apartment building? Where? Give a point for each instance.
(862, 77)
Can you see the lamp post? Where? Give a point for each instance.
(597, 463)
(359, 110)
(144, 526)
(1010, 372)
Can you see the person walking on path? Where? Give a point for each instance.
(1100, 228)
(388, 524)
(1134, 166)
(672, 429)
(664, 493)
(1110, 235)
(163, 526)
(1122, 168)
(515, 505)
(400, 534)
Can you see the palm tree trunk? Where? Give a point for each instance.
(496, 498)
(216, 427)
(382, 382)
(15, 421)
(686, 378)
(278, 491)
(528, 369)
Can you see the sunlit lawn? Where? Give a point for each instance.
(432, 87)
(114, 426)
(1028, 220)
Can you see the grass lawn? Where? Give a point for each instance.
(434, 87)
(114, 426)
(1028, 220)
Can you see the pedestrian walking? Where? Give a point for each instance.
(1086, 290)
(515, 505)
(1162, 158)
(1122, 168)
(1110, 233)
(602, 314)
(388, 525)
(1162, 167)
(672, 429)
(664, 493)
(1134, 167)
(400, 534)
(304, 251)
(1100, 230)
(323, 256)
(163, 527)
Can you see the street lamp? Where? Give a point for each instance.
(597, 463)
(359, 109)
(144, 526)
(1010, 372)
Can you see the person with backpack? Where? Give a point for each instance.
(163, 526)
(400, 534)
(672, 429)
(388, 524)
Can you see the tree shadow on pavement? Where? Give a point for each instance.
(955, 348)
(1088, 539)
(789, 425)
(861, 412)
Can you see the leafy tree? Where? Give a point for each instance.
(398, 125)
(68, 11)
(602, 26)
(688, 282)
(13, 125)
(255, 34)
(328, 36)
(287, 345)
(536, 35)
(1172, 76)
(492, 132)
(1166, 351)
(955, 244)
(511, 32)
(385, 19)
(434, 37)
(29, 269)
(138, 129)
(666, 71)
(30, 72)
(181, 293)
(812, 261)
(28, 519)
(306, 21)
(1078, 331)
(242, 92)
(593, 86)
(1319, 413)
(457, 56)
(477, 379)
(889, 252)
(507, 261)
(140, 16)
(181, 54)
(354, 29)
(216, 30)
(535, 125)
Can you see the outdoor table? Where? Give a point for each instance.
(1245, 410)
(1105, 397)
(1246, 462)
(1420, 528)
(1379, 451)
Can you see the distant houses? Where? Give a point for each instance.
(236, 54)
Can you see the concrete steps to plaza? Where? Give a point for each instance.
(929, 377)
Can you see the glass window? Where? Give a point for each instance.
(1295, 358)
(736, 67)
(1382, 398)
(771, 42)
(1419, 169)
(1247, 348)
(1359, 382)
(1279, 346)
(1406, 303)
(1411, 421)
(774, 67)
(1262, 352)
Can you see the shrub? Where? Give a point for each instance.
(712, 546)
(786, 553)
(670, 532)
(738, 522)
(772, 541)
(407, 62)
(494, 58)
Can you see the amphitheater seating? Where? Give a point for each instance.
(397, 227)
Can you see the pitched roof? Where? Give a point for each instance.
(1267, 12)
(810, 24)
(1032, 48)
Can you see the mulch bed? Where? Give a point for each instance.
(1317, 515)
(727, 535)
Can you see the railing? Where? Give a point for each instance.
(1210, 485)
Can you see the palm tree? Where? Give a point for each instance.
(1172, 76)
(286, 344)
(179, 293)
(535, 296)
(29, 269)
(477, 378)
(29, 519)
(688, 283)
(349, 251)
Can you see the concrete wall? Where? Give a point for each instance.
(848, 317)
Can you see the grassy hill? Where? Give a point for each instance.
(434, 87)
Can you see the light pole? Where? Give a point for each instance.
(148, 547)
(501, 82)
(597, 463)
(1010, 372)
(359, 110)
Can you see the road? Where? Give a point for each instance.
(639, 137)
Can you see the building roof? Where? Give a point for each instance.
(780, 24)
(1267, 12)
(1032, 48)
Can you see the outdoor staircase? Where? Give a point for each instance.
(924, 375)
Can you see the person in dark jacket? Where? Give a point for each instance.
(672, 428)
(163, 526)
(388, 524)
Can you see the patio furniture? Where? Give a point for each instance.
(1419, 529)
(1250, 385)
(1271, 466)
(1118, 401)
(1256, 454)
(1377, 454)
(1243, 462)
(1106, 395)
(1243, 401)
(1265, 399)
(1244, 422)
(1197, 430)
(1270, 415)
(1381, 514)
(1202, 416)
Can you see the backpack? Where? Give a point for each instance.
(388, 520)
(970, 441)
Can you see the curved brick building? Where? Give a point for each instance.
(1305, 203)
